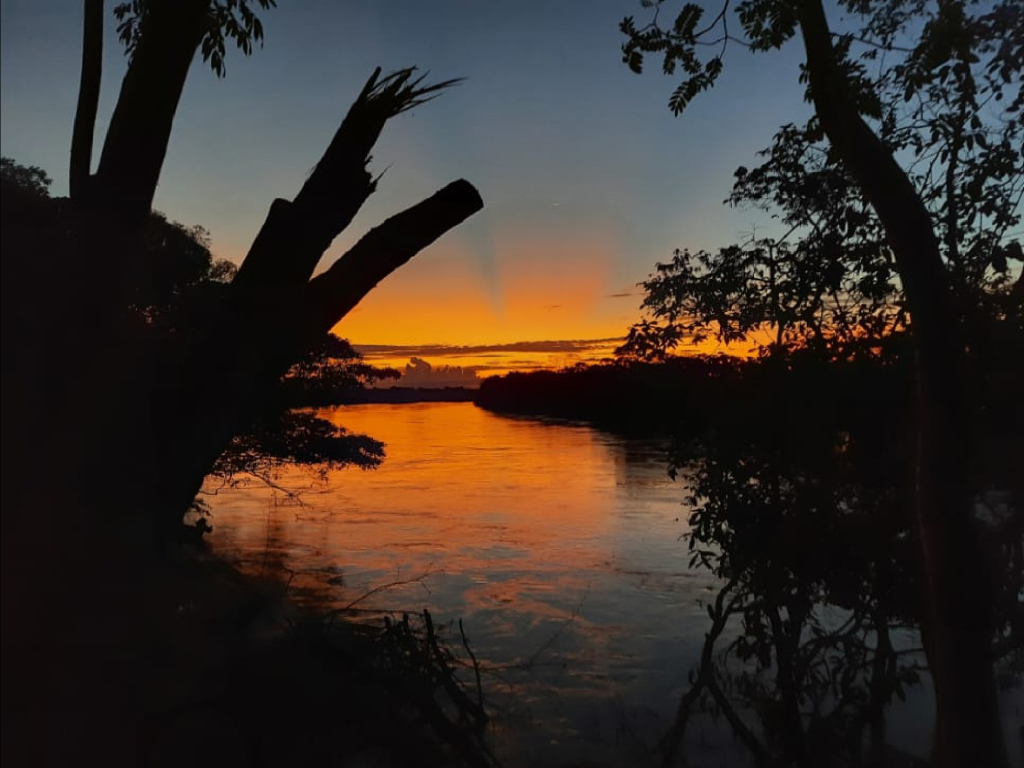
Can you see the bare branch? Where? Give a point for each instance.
(476, 666)
(376, 590)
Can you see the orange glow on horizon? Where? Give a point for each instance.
(554, 286)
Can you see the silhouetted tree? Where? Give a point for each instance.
(24, 180)
(966, 60)
(182, 276)
(151, 420)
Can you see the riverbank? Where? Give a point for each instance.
(210, 667)
(309, 687)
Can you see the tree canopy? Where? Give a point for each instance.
(949, 107)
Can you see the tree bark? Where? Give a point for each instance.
(140, 127)
(957, 616)
(88, 98)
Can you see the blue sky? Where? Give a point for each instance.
(587, 177)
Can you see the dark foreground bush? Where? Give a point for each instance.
(313, 689)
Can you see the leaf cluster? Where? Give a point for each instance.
(677, 47)
(226, 21)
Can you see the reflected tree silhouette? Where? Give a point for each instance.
(808, 540)
(797, 504)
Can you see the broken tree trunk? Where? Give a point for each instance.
(139, 424)
(273, 329)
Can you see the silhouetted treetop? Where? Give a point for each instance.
(950, 43)
(831, 278)
(225, 21)
(30, 178)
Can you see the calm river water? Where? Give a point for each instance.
(557, 545)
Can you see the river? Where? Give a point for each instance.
(559, 546)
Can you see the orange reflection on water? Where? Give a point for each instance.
(556, 544)
(498, 511)
(466, 501)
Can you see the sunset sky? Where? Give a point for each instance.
(587, 178)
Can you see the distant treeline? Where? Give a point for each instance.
(688, 396)
(694, 397)
(635, 398)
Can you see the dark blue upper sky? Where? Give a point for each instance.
(587, 177)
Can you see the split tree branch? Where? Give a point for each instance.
(337, 187)
(274, 312)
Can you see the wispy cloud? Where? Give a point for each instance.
(464, 365)
(567, 346)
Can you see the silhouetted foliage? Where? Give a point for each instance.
(331, 373)
(258, 681)
(921, 138)
(320, 691)
(628, 397)
(20, 178)
(226, 21)
(831, 279)
(181, 275)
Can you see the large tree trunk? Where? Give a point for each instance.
(140, 126)
(957, 615)
(102, 462)
(88, 98)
